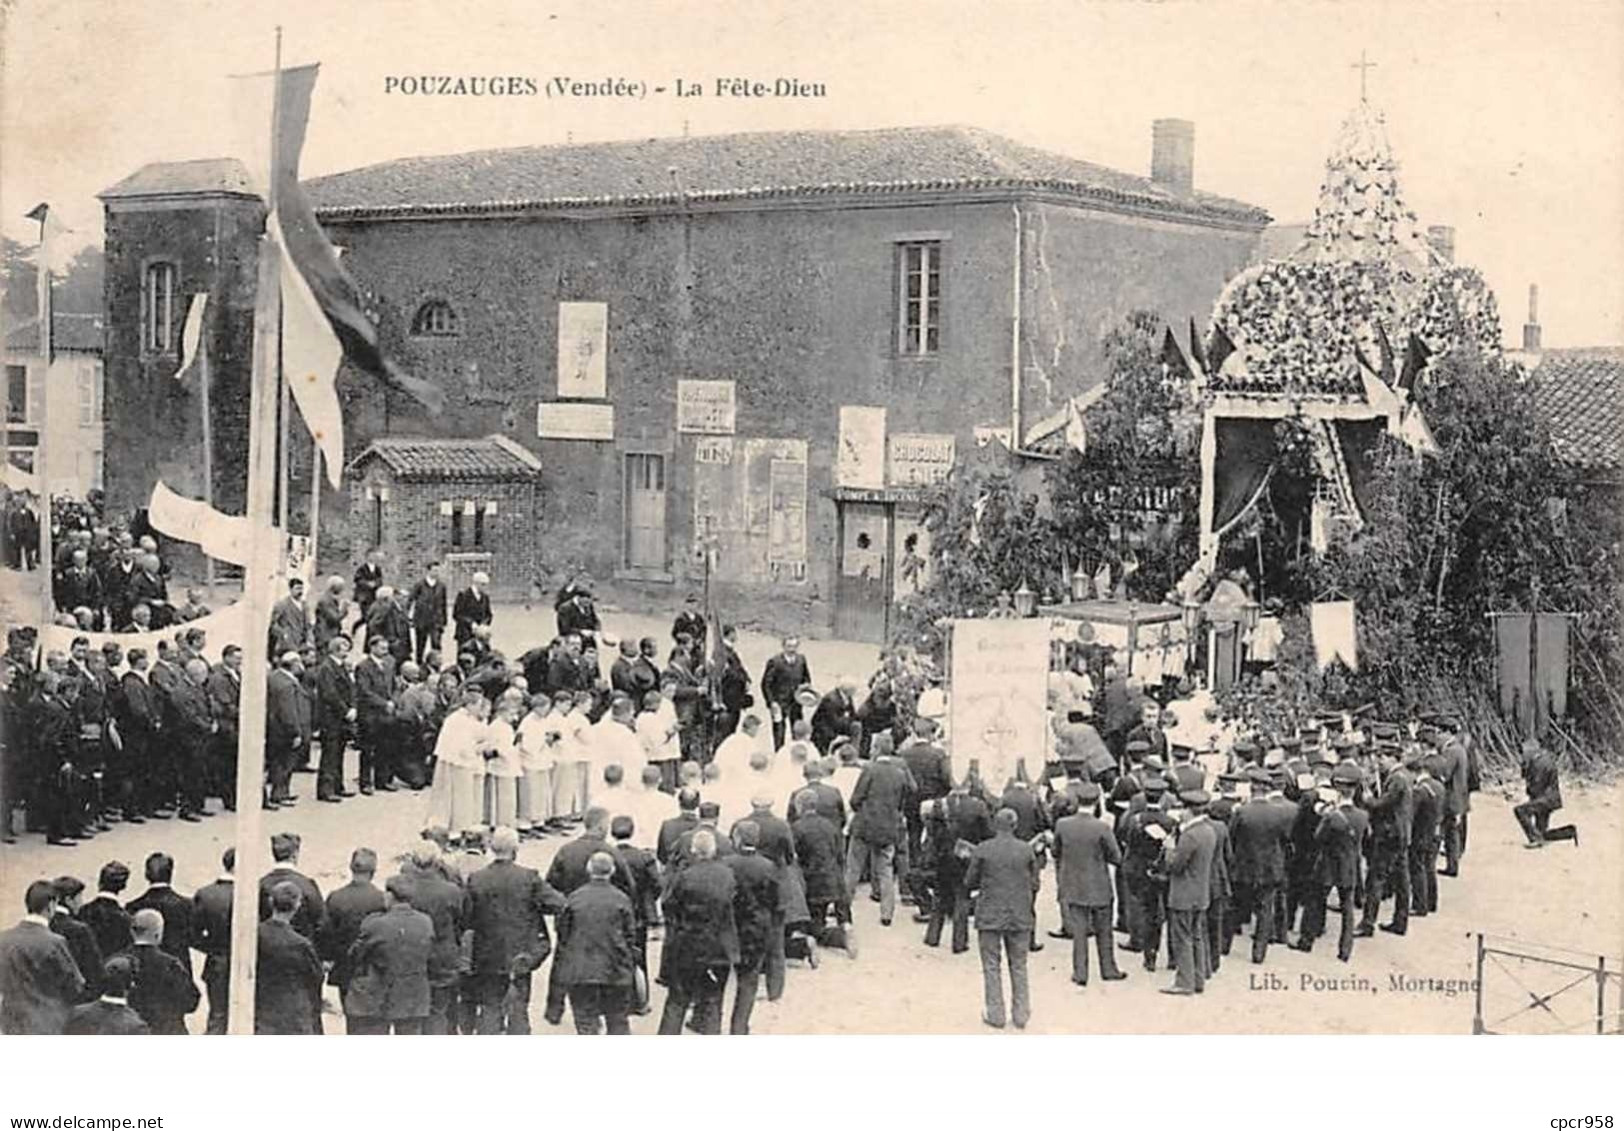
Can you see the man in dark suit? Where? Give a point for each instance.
(39, 981)
(756, 914)
(309, 917)
(80, 938)
(1457, 778)
(732, 684)
(784, 675)
(598, 950)
(287, 728)
(1085, 851)
(444, 901)
(331, 612)
(163, 992)
(387, 618)
(290, 620)
(507, 908)
(104, 915)
(140, 720)
(1425, 837)
(1223, 888)
(957, 825)
(347, 908)
(428, 612)
(1340, 837)
(287, 982)
(193, 735)
(1392, 815)
(375, 717)
(211, 936)
(55, 741)
(1003, 876)
(821, 857)
(224, 689)
(1141, 836)
(387, 987)
(335, 718)
(1150, 732)
(831, 804)
(1543, 783)
(645, 870)
(472, 606)
(836, 716)
(368, 580)
(1259, 832)
(110, 1015)
(932, 772)
(702, 940)
(174, 908)
(567, 873)
(672, 829)
(884, 791)
(1189, 893)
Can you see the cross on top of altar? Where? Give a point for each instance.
(1363, 67)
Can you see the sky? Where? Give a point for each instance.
(1505, 117)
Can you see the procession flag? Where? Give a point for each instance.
(191, 336)
(326, 321)
(1198, 352)
(224, 537)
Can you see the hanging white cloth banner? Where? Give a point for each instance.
(228, 626)
(1332, 624)
(224, 537)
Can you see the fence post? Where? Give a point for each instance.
(1601, 994)
(1477, 1004)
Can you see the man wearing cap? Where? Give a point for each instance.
(1003, 877)
(1392, 815)
(388, 965)
(1540, 778)
(597, 950)
(1260, 832)
(1425, 837)
(784, 674)
(1143, 832)
(1340, 837)
(1085, 851)
(1188, 862)
(472, 606)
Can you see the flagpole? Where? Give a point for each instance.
(207, 379)
(316, 465)
(42, 467)
(252, 851)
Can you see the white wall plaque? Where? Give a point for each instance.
(706, 407)
(575, 421)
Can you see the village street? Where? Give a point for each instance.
(898, 986)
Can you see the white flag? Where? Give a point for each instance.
(224, 537)
(310, 356)
(1076, 430)
(1332, 626)
(191, 335)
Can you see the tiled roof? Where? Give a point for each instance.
(1580, 392)
(76, 333)
(672, 172)
(166, 178)
(420, 458)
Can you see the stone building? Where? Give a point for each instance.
(754, 348)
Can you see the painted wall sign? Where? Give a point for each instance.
(575, 421)
(786, 507)
(918, 458)
(714, 449)
(706, 407)
(860, 460)
(583, 346)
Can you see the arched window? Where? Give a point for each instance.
(435, 319)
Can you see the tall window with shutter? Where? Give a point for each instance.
(919, 298)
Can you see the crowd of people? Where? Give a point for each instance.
(737, 831)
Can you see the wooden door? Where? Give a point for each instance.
(645, 511)
(863, 581)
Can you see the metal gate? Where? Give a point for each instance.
(1529, 989)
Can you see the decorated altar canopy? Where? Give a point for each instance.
(1312, 337)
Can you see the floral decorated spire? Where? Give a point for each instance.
(1361, 216)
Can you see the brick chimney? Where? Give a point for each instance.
(1530, 343)
(1442, 239)
(1172, 154)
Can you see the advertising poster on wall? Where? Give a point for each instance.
(583, 344)
(860, 461)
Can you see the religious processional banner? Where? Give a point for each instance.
(1000, 681)
(228, 626)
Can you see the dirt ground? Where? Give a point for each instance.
(1562, 896)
